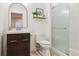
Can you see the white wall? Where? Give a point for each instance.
(74, 26)
(1, 18)
(42, 26)
(0, 26)
(36, 27)
(5, 26)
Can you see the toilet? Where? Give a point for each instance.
(43, 43)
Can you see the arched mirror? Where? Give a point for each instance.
(18, 17)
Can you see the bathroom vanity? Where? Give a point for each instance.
(18, 39)
(18, 44)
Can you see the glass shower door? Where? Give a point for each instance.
(60, 28)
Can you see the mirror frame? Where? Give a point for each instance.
(9, 18)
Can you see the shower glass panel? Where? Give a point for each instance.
(60, 28)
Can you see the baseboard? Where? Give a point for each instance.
(74, 52)
(56, 52)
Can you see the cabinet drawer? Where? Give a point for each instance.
(18, 36)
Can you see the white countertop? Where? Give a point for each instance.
(17, 31)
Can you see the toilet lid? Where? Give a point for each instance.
(43, 42)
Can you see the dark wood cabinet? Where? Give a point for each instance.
(18, 44)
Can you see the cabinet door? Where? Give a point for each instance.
(11, 47)
(11, 50)
(18, 46)
(23, 48)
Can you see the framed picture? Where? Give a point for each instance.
(40, 12)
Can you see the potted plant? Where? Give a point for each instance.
(35, 14)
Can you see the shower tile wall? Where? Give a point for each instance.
(60, 28)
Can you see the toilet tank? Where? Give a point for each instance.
(40, 37)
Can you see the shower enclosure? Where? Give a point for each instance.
(60, 27)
